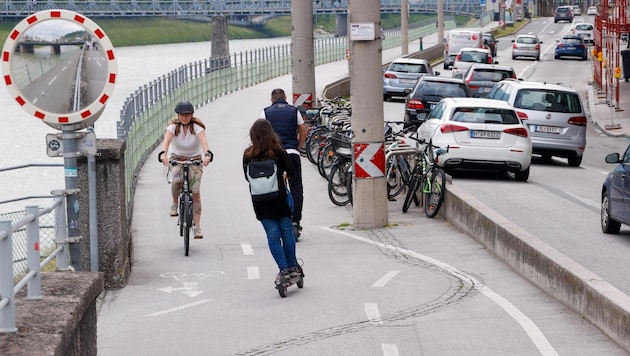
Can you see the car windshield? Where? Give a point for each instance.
(408, 68)
(490, 75)
(584, 27)
(571, 41)
(563, 9)
(476, 57)
(547, 100)
(443, 90)
(527, 40)
(485, 116)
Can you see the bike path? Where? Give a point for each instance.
(417, 286)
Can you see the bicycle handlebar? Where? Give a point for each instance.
(173, 162)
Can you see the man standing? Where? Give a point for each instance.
(288, 124)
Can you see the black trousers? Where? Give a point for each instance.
(297, 190)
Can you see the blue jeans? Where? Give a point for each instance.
(281, 241)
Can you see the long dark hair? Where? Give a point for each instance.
(193, 120)
(265, 142)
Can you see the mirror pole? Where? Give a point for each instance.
(70, 153)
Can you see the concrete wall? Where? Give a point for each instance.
(341, 87)
(554, 273)
(62, 323)
(114, 237)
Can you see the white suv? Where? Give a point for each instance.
(553, 113)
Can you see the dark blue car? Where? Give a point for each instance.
(615, 208)
(571, 46)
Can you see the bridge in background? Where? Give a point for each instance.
(18, 9)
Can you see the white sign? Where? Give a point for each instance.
(362, 31)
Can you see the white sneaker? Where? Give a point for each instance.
(198, 233)
(173, 210)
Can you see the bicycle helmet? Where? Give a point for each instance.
(184, 107)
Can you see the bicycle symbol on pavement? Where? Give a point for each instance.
(183, 276)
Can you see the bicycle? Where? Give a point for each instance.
(430, 177)
(340, 177)
(185, 202)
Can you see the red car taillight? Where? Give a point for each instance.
(578, 120)
(446, 128)
(415, 104)
(517, 131)
(515, 46)
(522, 115)
(390, 76)
(538, 47)
(457, 58)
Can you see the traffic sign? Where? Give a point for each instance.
(369, 160)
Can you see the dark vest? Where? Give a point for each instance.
(283, 119)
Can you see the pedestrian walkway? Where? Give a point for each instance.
(220, 300)
(613, 119)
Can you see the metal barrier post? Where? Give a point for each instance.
(61, 234)
(34, 285)
(7, 297)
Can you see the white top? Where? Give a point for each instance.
(187, 145)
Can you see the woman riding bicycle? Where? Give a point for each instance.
(186, 137)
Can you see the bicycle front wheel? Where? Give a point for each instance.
(395, 183)
(337, 183)
(434, 194)
(414, 185)
(313, 144)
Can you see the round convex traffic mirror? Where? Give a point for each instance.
(60, 67)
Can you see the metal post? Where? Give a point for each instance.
(404, 26)
(34, 285)
(70, 154)
(61, 233)
(7, 297)
(94, 262)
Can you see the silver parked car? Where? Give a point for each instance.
(402, 75)
(526, 46)
(553, 113)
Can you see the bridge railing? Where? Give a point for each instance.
(145, 113)
(195, 8)
(30, 225)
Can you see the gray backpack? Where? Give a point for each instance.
(263, 180)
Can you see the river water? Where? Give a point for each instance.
(23, 138)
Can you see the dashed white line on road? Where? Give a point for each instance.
(253, 272)
(373, 315)
(390, 349)
(247, 249)
(386, 278)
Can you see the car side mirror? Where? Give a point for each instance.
(437, 73)
(540, 42)
(496, 62)
(612, 158)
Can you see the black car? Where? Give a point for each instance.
(427, 93)
(491, 42)
(482, 77)
(615, 194)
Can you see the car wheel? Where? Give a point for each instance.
(522, 176)
(575, 161)
(557, 56)
(609, 226)
(445, 66)
(513, 57)
(584, 57)
(385, 97)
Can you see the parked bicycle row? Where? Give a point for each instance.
(410, 162)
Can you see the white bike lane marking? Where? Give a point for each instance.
(386, 278)
(390, 349)
(534, 333)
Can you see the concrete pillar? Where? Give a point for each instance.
(404, 26)
(440, 21)
(220, 50)
(114, 237)
(369, 185)
(341, 25)
(302, 53)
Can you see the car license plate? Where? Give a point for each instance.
(408, 81)
(547, 129)
(485, 134)
(571, 48)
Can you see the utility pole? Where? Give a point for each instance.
(404, 26)
(369, 185)
(302, 53)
